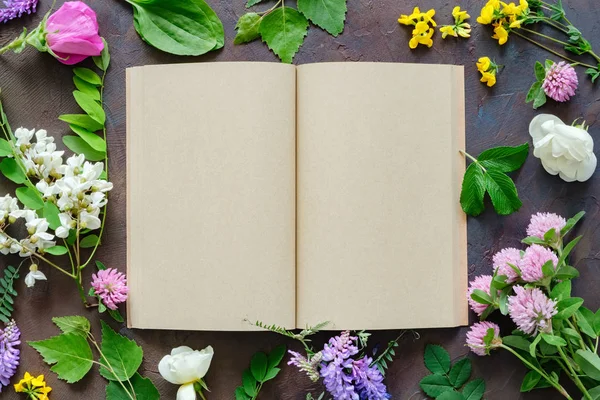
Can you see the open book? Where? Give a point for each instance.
(295, 195)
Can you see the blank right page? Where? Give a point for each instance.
(381, 238)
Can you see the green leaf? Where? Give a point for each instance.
(182, 28)
(50, 212)
(481, 297)
(103, 60)
(95, 141)
(271, 374)
(571, 222)
(534, 344)
(240, 394)
(585, 321)
(451, 396)
(143, 388)
(502, 191)
(82, 120)
(548, 269)
(437, 359)
(326, 14)
(518, 342)
(258, 366)
(12, 171)
(251, 3)
(597, 322)
(533, 92)
(503, 300)
(473, 191)
(589, 363)
(283, 30)
(568, 248)
(554, 340)
(5, 149)
(88, 76)
(533, 240)
(593, 73)
(540, 99)
(434, 385)
(275, 356)
(89, 241)
(74, 324)
(100, 266)
(90, 106)
(87, 88)
(57, 250)
(123, 355)
(79, 146)
(595, 393)
(568, 307)
(504, 158)
(30, 198)
(70, 353)
(540, 71)
(550, 236)
(561, 291)
(7, 292)
(530, 380)
(474, 390)
(116, 315)
(566, 272)
(460, 373)
(249, 383)
(247, 28)
(571, 334)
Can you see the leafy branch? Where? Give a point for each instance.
(302, 337)
(387, 355)
(8, 292)
(263, 368)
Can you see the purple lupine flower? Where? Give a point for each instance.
(369, 380)
(336, 362)
(16, 9)
(9, 353)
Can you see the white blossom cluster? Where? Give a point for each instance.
(74, 187)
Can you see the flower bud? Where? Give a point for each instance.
(11, 219)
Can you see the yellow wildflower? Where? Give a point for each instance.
(420, 28)
(424, 38)
(428, 17)
(489, 78)
(448, 30)
(459, 15)
(510, 9)
(410, 19)
(483, 64)
(487, 15)
(500, 34)
(460, 27)
(35, 388)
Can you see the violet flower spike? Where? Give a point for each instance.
(16, 9)
(9, 353)
(369, 380)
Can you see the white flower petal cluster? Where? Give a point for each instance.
(185, 366)
(40, 158)
(565, 150)
(37, 229)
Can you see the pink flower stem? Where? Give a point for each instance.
(573, 375)
(553, 52)
(556, 385)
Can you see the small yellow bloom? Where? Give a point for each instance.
(489, 78)
(483, 64)
(410, 19)
(428, 17)
(448, 30)
(500, 34)
(510, 9)
(487, 15)
(35, 388)
(464, 30)
(459, 15)
(424, 39)
(420, 28)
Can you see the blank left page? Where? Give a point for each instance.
(211, 195)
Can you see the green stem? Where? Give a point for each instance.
(257, 391)
(576, 329)
(473, 159)
(110, 368)
(544, 36)
(552, 51)
(573, 375)
(556, 385)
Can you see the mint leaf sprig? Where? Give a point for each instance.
(487, 174)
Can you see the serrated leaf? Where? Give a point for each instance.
(474, 390)
(82, 120)
(473, 191)
(540, 71)
(275, 356)
(5, 148)
(79, 146)
(437, 359)
(93, 140)
(460, 373)
(70, 353)
(87, 88)
(504, 158)
(247, 28)
(57, 250)
(87, 75)
(30, 198)
(434, 385)
(73, 324)
(283, 30)
(143, 388)
(89, 241)
(123, 355)
(502, 191)
(258, 366)
(12, 171)
(530, 380)
(103, 60)
(326, 14)
(568, 307)
(451, 396)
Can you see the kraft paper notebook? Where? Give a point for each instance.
(295, 195)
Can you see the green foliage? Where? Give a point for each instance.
(143, 388)
(89, 241)
(12, 171)
(387, 355)
(536, 93)
(189, 28)
(69, 353)
(29, 197)
(487, 174)
(75, 324)
(8, 292)
(447, 379)
(124, 355)
(263, 368)
(283, 28)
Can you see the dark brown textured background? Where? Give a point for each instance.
(36, 89)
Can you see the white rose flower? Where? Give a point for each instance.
(565, 150)
(185, 367)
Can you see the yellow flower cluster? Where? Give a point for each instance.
(488, 70)
(503, 17)
(460, 27)
(35, 388)
(422, 31)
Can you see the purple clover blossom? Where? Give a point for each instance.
(16, 9)
(9, 354)
(369, 380)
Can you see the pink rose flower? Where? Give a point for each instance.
(73, 33)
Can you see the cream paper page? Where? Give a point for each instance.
(381, 239)
(211, 195)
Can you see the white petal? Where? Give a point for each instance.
(535, 127)
(164, 367)
(29, 280)
(62, 232)
(587, 168)
(186, 392)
